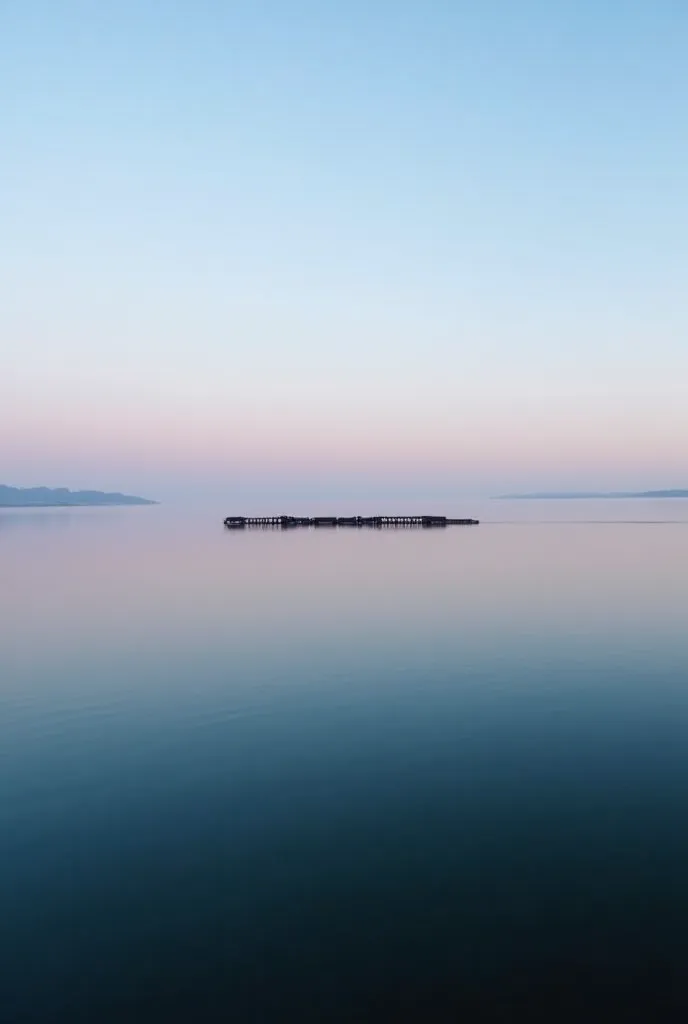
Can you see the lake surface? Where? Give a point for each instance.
(347, 775)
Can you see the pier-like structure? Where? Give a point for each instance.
(288, 522)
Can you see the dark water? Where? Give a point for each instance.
(359, 776)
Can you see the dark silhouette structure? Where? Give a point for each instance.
(287, 522)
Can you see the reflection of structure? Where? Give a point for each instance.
(239, 522)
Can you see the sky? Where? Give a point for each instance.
(374, 246)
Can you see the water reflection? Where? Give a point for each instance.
(340, 775)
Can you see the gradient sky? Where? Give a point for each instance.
(412, 246)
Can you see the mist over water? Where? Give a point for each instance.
(344, 775)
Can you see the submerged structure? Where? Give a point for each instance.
(287, 522)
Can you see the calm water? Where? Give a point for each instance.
(352, 775)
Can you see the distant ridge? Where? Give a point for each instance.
(672, 493)
(29, 497)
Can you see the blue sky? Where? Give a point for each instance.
(413, 244)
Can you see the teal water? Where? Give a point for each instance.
(351, 775)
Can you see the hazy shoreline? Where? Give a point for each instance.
(591, 495)
(79, 504)
(63, 497)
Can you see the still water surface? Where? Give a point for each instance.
(351, 775)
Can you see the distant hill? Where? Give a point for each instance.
(675, 493)
(25, 497)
